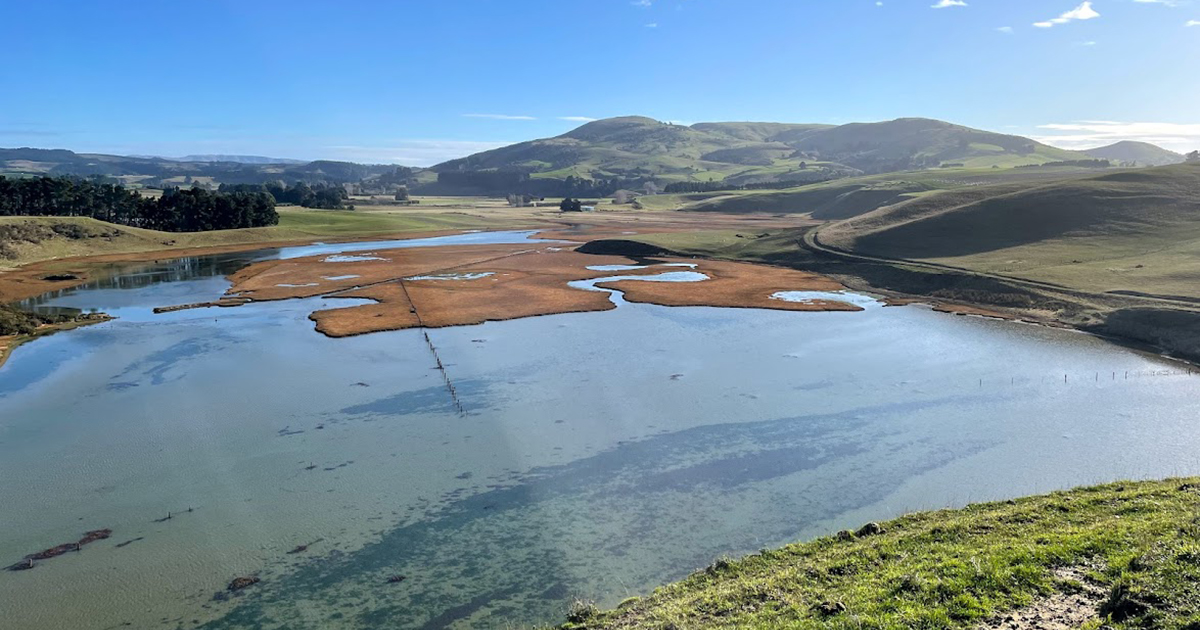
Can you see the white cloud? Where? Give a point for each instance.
(652, 25)
(499, 117)
(1007, 30)
(576, 118)
(410, 152)
(641, 3)
(1083, 134)
(1191, 23)
(945, 4)
(1081, 12)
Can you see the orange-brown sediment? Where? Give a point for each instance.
(479, 283)
(733, 284)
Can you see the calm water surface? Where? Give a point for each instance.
(601, 453)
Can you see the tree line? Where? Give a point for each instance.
(1094, 163)
(521, 182)
(719, 185)
(187, 210)
(322, 196)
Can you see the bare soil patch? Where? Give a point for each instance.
(1060, 611)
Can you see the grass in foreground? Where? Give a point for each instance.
(1138, 544)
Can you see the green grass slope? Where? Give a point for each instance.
(1125, 230)
(1127, 555)
(747, 152)
(853, 196)
(920, 142)
(1139, 153)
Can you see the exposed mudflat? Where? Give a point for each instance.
(734, 284)
(471, 284)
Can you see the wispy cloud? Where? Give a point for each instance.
(946, 4)
(410, 152)
(576, 118)
(28, 129)
(1083, 134)
(641, 3)
(499, 117)
(652, 25)
(1191, 23)
(28, 133)
(1081, 12)
(1007, 30)
(1167, 3)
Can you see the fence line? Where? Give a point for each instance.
(1097, 377)
(458, 406)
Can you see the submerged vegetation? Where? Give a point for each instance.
(1131, 551)
(14, 321)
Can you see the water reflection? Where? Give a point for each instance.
(134, 276)
(602, 453)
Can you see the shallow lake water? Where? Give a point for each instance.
(600, 454)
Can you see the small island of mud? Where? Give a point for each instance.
(471, 284)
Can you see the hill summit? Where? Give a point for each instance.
(631, 151)
(1136, 153)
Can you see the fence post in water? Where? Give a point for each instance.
(458, 406)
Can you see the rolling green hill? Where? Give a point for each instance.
(852, 196)
(1129, 230)
(637, 149)
(1139, 153)
(919, 142)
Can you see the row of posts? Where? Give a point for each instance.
(1126, 375)
(441, 367)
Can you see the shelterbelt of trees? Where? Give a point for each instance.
(321, 196)
(188, 210)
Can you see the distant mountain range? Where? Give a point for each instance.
(158, 171)
(239, 159)
(628, 152)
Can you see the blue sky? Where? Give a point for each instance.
(420, 81)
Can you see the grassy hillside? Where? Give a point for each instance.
(635, 147)
(1133, 230)
(919, 142)
(744, 152)
(1125, 555)
(852, 196)
(1139, 153)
